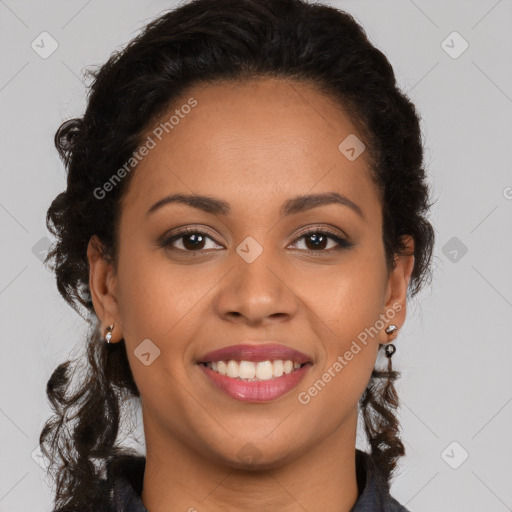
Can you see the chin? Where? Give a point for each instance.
(259, 456)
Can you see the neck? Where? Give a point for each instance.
(177, 477)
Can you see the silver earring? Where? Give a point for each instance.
(390, 349)
(108, 336)
(391, 328)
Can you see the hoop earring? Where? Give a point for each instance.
(108, 336)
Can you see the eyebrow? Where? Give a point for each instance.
(291, 206)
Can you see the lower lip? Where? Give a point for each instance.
(256, 391)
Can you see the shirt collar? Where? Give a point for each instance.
(126, 472)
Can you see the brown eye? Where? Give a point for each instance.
(317, 241)
(190, 240)
(194, 241)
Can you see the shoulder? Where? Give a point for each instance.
(374, 493)
(125, 476)
(121, 487)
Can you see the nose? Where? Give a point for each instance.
(260, 292)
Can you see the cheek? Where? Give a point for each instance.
(153, 295)
(350, 297)
(342, 316)
(347, 303)
(155, 304)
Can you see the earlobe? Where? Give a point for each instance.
(102, 283)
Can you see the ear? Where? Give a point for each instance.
(102, 283)
(398, 283)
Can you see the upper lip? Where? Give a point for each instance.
(255, 353)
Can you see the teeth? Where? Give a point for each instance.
(221, 367)
(277, 368)
(251, 371)
(247, 370)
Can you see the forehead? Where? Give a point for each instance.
(263, 139)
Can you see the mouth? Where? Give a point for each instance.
(254, 389)
(255, 373)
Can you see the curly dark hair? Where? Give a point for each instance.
(207, 42)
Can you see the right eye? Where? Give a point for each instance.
(191, 240)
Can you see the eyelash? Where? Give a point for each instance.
(342, 242)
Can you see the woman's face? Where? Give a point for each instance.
(250, 274)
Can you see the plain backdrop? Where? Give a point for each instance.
(455, 348)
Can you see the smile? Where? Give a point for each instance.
(248, 381)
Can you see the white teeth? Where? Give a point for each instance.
(247, 370)
(263, 370)
(251, 371)
(277, 368)
(233, 369)
(221, 367)
(288, 366)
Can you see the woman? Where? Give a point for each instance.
(244, 218)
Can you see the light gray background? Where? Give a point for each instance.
(455, 348)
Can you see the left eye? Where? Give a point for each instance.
(315, 241)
